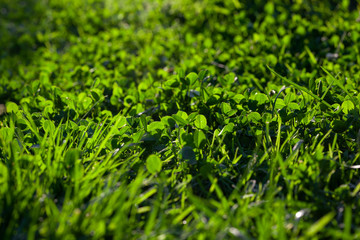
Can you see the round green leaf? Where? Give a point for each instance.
(155, 126)
(11, 107)
(192, 77)
(254, 117)
(49, 126)
(181, 73)
(293, 106)
(260, 98)
(168, 121)
(279, 103)
(153, 164)
(199, 138)
(129, 100)
(181, 118)
(171, 83)
(225, 108)
(200, 121)
(227, 129)
(95, 94)
(182, 114)
(289, 98)
(87, 102)
(202, 74)
(229, 78)
(238, 97)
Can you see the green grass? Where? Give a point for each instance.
(179, 119)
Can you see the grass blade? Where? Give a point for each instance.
(298, 87)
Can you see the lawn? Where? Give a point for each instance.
(179, 119)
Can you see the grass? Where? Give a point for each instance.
(179, 120)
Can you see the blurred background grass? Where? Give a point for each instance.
(27, 25)
(136, 38)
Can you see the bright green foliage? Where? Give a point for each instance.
(200, 121)
(181, 119)
(153, 164)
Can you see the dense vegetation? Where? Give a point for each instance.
(180, 119)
